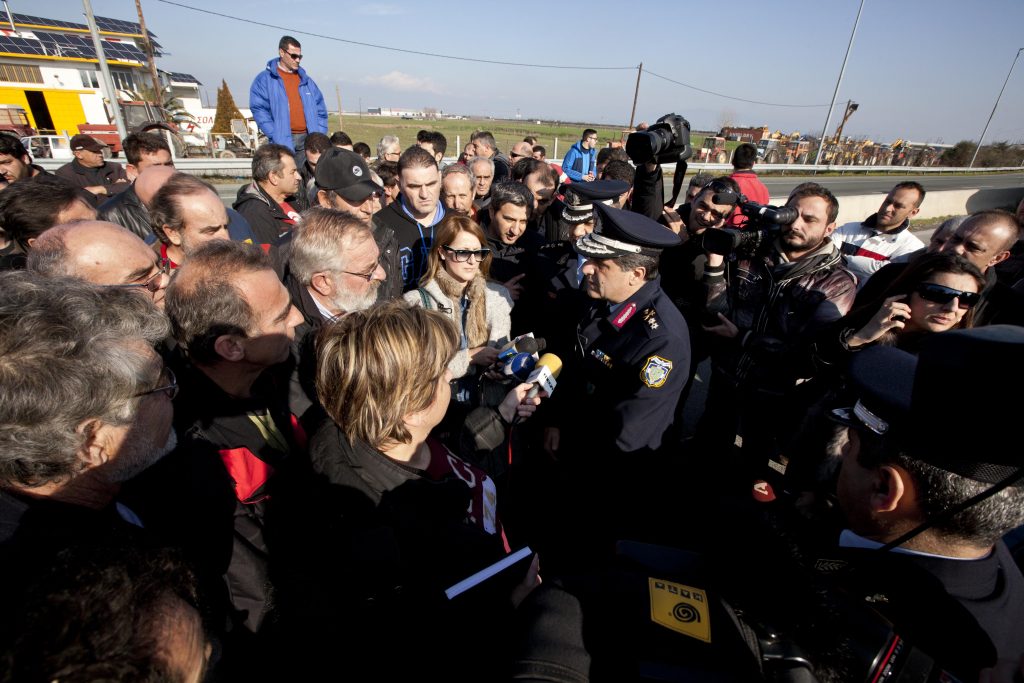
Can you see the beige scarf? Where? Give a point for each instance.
(477, 329)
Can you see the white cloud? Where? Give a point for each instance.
(379, 10)
(396, 80)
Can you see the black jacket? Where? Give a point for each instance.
(128, 211)
(404, 247)
(267, 220)
(109, 175)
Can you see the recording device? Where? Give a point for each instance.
(524, 343)
(667, 141)
(519, 366)
(765, 221)
(544, 375)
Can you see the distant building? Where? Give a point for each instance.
(754, 135)
(390, 111)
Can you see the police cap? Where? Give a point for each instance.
(580, 198)
(947, 406)
(620, 233)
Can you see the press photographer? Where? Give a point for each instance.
(666, 142)
(769, 301)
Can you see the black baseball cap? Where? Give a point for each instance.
(82, 141)
(346, 173)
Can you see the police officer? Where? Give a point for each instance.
(621, 386)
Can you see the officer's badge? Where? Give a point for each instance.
(656, 371)
(651, 318)
(602, 356)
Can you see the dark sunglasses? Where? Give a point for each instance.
(462, 255)
(294, 56)
(943, 295)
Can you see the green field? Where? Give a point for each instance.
(370, 129)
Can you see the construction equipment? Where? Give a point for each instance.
(14, 119)
(712, 150)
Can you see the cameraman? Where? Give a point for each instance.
(769, 301)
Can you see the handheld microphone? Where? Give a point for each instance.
(525, 343)
(520, 366)
(544, 375)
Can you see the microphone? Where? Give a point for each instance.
(544, 375)
(525, 343)
(520, 366)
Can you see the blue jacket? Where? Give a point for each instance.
(269, 104)
(578, 162)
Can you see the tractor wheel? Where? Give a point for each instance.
(772, 157)
(722, 157)
(226, 154)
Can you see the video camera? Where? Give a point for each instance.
(667, 141)
(765, 222)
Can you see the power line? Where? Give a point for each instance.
(398, 49)
(728, 97)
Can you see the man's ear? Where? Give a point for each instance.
(888, 488)
(95, 448)
(173, 236)
(829, 229)
(230, 347)
(999, 258)
(322, 283)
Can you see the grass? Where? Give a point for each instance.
(370, 129)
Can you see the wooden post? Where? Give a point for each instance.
(636, 94)
(157, 94)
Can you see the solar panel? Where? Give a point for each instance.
(183, 78)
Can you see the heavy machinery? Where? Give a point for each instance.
(712, 150)
(783, 151)
(14, 120)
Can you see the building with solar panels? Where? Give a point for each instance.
(49, 67)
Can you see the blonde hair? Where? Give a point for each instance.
(448, 230)
(376, 367)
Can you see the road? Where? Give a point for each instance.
(780, 186)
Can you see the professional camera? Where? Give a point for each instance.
(765, 222)
(667, 141)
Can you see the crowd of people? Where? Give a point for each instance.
(267, 442)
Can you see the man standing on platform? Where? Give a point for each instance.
(286, 103)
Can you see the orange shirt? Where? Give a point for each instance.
(295, 111)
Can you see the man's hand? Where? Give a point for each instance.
(483, 355)
(674, 221)
(726, 329)
(515, 289)
(552, 440)
(589, 177)
(98, 190)
(529, 582)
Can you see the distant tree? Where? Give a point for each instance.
(226, 110)
(997, 154)
(959, 154)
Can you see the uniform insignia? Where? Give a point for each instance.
(602, 356)
(656, 371)
(650, 316)
(683, 609)
(624, 315)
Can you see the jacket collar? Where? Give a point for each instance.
(627, 309)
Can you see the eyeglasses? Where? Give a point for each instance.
(943, 295)
(154, 284)
(294, 56)
(170, 389)
(366, 276)
(462, 255)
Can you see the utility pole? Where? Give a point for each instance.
(108, 82)
(999, 97)
(636, 94)
(157, 92)
(337, 91)
(835, 93)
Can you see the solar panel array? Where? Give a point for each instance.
(69, 45)
(103, 23)
(183, 78)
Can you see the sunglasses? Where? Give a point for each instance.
(294, 56)
(943, 295)
(462, 255)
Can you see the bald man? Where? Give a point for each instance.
(101, 253)
(130, 208)
(520, 150)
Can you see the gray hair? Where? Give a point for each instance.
(267, 160)
(384, 143)
(460, 169)
(70, 352)
(320, 241)
(50, 255)
(481, 160)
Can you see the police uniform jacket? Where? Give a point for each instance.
(633, 364)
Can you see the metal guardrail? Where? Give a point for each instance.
(242, 168)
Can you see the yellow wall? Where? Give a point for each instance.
(64, 105)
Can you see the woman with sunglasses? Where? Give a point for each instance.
(936, 292)
(456, 284)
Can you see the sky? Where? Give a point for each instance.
(922, 70)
